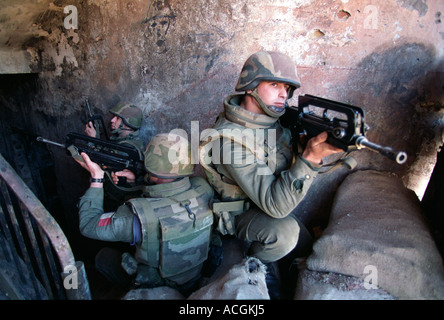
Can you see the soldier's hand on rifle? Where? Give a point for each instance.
(317, 148)
(93, 168)
(129, 175)
(90, 130)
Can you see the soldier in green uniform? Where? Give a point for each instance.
(170, 226)
(125, 125)
(248, 159)
(125, 128)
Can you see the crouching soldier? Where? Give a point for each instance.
(170, 226)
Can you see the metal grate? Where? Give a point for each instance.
(36, 260)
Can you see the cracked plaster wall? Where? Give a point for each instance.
(178, 59)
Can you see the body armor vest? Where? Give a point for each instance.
(265, 140)
(176, 229)
(260, 134)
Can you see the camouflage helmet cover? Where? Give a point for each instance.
(268, 66)
(130, 114)
(168, 155)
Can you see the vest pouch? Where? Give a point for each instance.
(184, 243)
(226, 212)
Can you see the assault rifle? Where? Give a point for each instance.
(111, 156)
(344, 124)
(97, 121)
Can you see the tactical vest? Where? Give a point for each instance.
(239, 126)
(175, 230)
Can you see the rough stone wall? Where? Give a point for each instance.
(177, 60)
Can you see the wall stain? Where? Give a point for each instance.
(417, 5)
(160, 17)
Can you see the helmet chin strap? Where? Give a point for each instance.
(272, 111)
(121, 128)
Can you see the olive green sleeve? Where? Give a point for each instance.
(275, 195)
(95, 224)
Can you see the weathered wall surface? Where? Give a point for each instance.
(178, 59)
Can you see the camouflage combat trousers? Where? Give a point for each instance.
(271, 238)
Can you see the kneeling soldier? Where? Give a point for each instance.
(170, 226)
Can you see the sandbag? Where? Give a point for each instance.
(376, 226)
(245, 280)
(315, 285)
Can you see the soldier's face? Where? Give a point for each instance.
(115, 122)
(273, 93)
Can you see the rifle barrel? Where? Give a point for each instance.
(41, 139)
(398, 156)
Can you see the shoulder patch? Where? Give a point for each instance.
(105, 219)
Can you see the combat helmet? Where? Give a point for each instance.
(168, 155)
(130, 114)
(268, 66)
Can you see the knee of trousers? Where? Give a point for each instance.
(273, 239)
(286, 234)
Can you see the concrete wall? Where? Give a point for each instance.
(178, 59)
